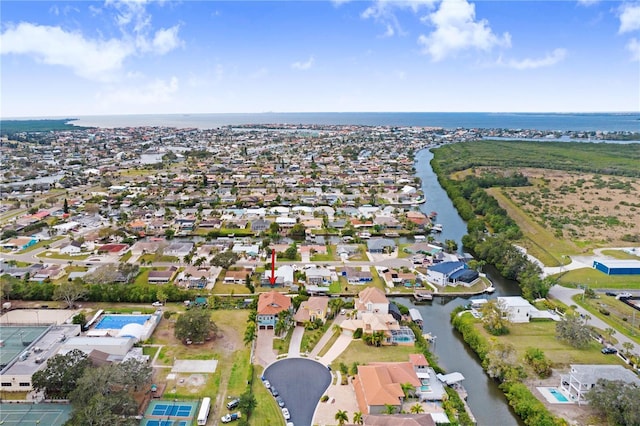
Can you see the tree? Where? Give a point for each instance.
(501, 362)
(61, 374)
(389, 409)
(169, 234)
(451, 246)
(247, 403)
(250, 333)
(628, 347)
(417, 408)
(342, 417)
(357, 418)
(225, 259)
(573, 329)
(79, 319)
(65, 207)
(609, 332)
(494, 318)
(617, 401)
(194, 325)
(291, 252)
(540, 363)
(70, 291)
(408, 389)
(249, 285)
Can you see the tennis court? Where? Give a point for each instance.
(170, 413)
(34, 414)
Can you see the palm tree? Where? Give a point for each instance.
(417, 408)
(407, 389)
(341, 417)
(389, 409)
(250, 333)
(357, 418)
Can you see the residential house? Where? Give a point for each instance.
(114, 249)
(162, 277)
(405, 419)
(380, 245)
(193, 277)
(284, 276)
(73, 248)
(19, 243)
(178, 249)
(318, 276)
(269, 306)
(313, 308)
(451, 273)
(357, 276)
(372, 300)
(260, 225)
(516, 308)
(237, 277)
(51, 272)
(378, 385)
(583, 377)
(142, 247)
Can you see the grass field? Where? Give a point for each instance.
(538, 240)
(282, 345)
(311, 337)
(542, 335)
(619, 254)
(621, 316)
(359, 352)
(222, 288)
(56, 255)
(267, 410)
(596, 279)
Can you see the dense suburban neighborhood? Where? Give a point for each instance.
(262, 274)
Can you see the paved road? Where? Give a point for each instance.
(565, 294)
(301, 382)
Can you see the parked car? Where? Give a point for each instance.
(233, 403)
(267, 384)
(231, 417)
(156, 304)
(285, 413)
(610, 293)
(280, 401)
(274, 391)
(609, 350)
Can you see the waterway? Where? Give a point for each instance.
(486, 400)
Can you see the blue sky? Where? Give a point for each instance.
(140, 57)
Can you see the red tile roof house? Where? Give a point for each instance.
(269, 306)
(115, 249)
(378, 384)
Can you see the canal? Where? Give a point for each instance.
(487, 402)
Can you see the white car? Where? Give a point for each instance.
(267, 384)
(285, 413)
(156, 304)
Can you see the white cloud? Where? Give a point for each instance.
(259, 73)
(157, 91)
(303, 65)
(634, 47)
(551, 59)
(629, 18)
(165, 40)
(587, 3)
(91, 59)
(456, 29)
(383, 12)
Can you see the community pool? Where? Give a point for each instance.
(116, 322)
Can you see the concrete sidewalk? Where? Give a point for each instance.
(326, 337)
(296, 341)
(338, 347)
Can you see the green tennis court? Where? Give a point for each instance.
(34, 414)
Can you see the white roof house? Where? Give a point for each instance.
(518, 309)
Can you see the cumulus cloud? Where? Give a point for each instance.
(634, 47)
(552, 58)
(629, 18)
(383, 12)
(456, 29)
(155, 92)
(303, 65)
(91, 59)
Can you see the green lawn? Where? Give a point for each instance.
(310, 338)
(359, 352)
(267, 411)
(621, 316)
(150, 350)
(282, 345)
(222, 288)
(151, 257)
(542, 335)
(55, 255)
(619, 254)
(125, 257)
(596, 279)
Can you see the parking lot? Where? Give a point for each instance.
(301, 382)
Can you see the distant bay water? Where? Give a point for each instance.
(539, 121)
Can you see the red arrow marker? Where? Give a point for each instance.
(272, 280)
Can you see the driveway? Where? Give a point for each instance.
(338, 347)
(296, 341)
(564, 295)
(265, 354)
(301, 382)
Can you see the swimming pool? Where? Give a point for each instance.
(116, 322)
(558, 395)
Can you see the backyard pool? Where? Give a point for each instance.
(116, 322)
(558, 395)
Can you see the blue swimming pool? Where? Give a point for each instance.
(558, 395)
(116, 322)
